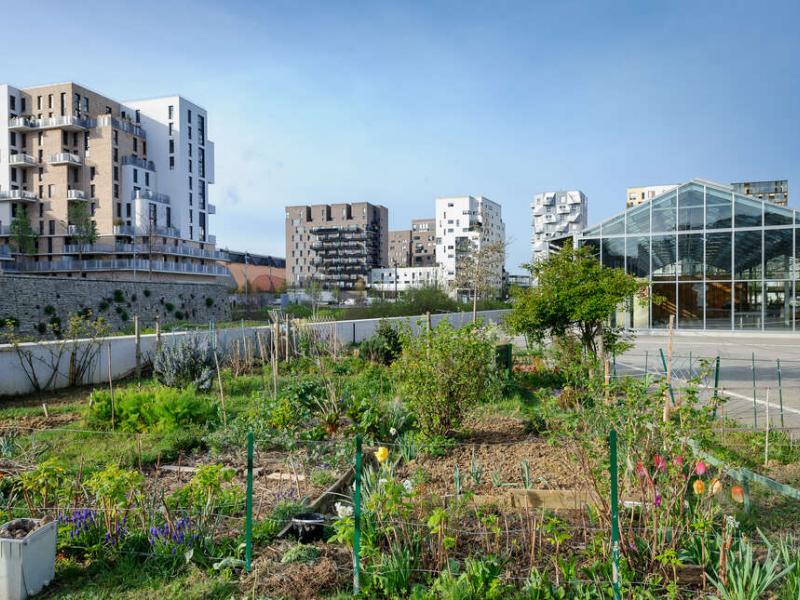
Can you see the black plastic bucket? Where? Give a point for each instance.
(308, 527)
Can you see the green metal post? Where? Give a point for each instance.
(249, 522)
(780, 391)
(612, 443)
(755, 410)
(716, 387)
(664, 362)
(357, 513)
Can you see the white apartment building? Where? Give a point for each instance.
(383, 279)
(142, 169)
(638, 195)
(464, 224)
(556, 215)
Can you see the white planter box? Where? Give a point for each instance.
(29, 564)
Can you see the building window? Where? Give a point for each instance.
(128, 210)
(171, 132)
(190, 165)
(51, 227)
(92, 173)
(189, 131)
(138, 120)
(51, 189)
(147, 178)
(38, 103)
(190, 183)
(190, 198)
(63, 103)
(92, 192)
(108, 110)
(189, 115)
(136, 176)
(41, 227)
(119, 210)
(116, 173)
(135, 144)
(12, 102)
(41, 210)
(115, 155)
(172, 146)
(116, 190)
(41, 169)
(94, 207)
(201, 130)
(171, 163)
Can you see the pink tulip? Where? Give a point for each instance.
(677, 461)
(700, 468)
(661, 464)
(640, 470)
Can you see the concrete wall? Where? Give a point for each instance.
(27, 298)
(13, 379)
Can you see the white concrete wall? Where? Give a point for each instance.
(13, 379)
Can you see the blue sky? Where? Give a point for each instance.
(400, 102)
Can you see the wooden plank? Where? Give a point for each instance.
(553, 499)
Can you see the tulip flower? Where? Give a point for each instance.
(660, 463)
(700, 468)
(716, 486)
(677, 461)
(737, 494)
(640, 470)
(657, 500)
(382, 454)
(699, 487)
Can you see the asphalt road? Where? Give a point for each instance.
(694, 355)
(743, 359)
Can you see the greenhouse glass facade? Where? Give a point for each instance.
(719, 260)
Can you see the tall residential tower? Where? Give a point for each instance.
(556, 215)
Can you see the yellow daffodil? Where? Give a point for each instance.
(382, 454)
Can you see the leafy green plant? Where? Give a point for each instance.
(49, 309)
(123, 316)
(44, 486)
(444, 373)
(322, 476)
(103, 305)
(300, 553)
(188, 361)
(149, 410)
(475, 470)
(147, 293)
(748, 578)
(209, 302)
(116, 491)
(169, 306)
(179, 314)
(119, 296)
(210, 493)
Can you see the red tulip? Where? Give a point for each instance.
(737, 494)
(700, 468)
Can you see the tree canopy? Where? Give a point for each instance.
(573, 292)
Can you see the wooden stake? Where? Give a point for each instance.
(221, 391)
(46, 414)
(139, 443)
(138, 347)
(111, 386)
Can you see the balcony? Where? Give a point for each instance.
(211, 239)
(212, 209)
(21, 124)
(21, 161)
(150, 195)
(167, 231)
(5, 229)
(76, 195)
(65, 158)
(562, 209)
(123, 230)
(17, 196)
(123, 125)
(65, 123)
(123, 265)
(147, 165)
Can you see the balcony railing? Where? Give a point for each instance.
(212, 209)
(21, 124)
(5, 229)
(167, 231)
(122, 125)
(144, 249)
(123, 265)
(211, 239)
(76, 195)
(123, 230)
(17, 195)
(65, 158)
(147, 165)
(150, 195)
(23, 161)
(69, 123)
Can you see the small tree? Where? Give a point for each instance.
(313, 290)
(22, 238)
(444, 373)
(480, 271)
(573, 292)
(84, 231)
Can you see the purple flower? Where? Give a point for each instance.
(657, 501)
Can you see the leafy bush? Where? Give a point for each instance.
(147, 293)
(189, 361)
(123, 316)
(103, 305)
(209, 302)
(49, 309)
(178, 315)
(119, 296)
(169, 306)
(445, 372)
(150, 410)
(10, 322)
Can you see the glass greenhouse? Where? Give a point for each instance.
(720, 260)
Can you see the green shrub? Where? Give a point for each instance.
(10, 322)
(189, 361)
(49, 309)
(119, 296)
(169, 306)
(179, 315)
(444, 373)
(147, 293)
(149, 410)
(103, 305)
(123, 316)
(209, 302)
